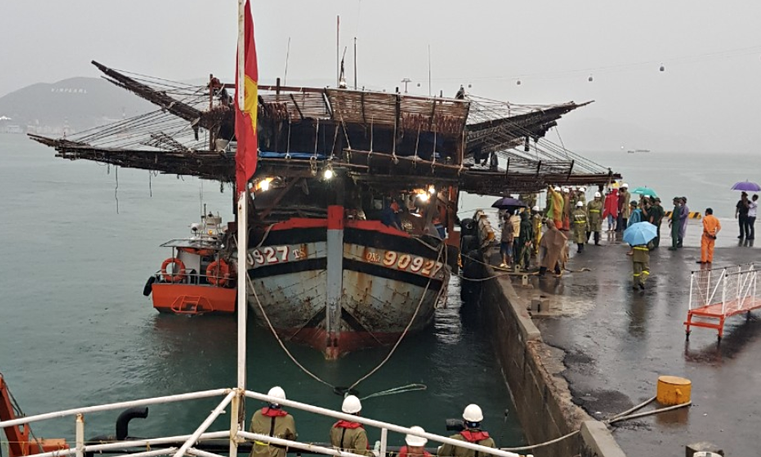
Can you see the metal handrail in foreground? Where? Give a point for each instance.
(237, 435)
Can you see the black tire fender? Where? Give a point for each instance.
(149, 286)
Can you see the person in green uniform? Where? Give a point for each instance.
(273, 421)
(347, 435)
(594, 210)
(656, 214)
(471, 433)
(640, 255)
(537, 220)
(579, 218)
(525, 239)
(675, 223)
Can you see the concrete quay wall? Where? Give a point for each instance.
(532, 372)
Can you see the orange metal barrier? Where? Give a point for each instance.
(716, 294)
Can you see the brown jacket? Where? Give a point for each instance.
(349, 436)
(272, 422)
(448, 450)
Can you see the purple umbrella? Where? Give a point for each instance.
(746, 186)
(508, 203)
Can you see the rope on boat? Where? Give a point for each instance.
(442, 248)
(396, 390)
(392, 391)
(508, 273)
(277, 337)
(624, 416)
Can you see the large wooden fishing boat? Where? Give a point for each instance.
(354, 200)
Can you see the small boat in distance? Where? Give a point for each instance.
(632, 151)
(197, 278)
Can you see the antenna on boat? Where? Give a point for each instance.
(355, 63)
(338, 48)
(287, 55)
(429, 70)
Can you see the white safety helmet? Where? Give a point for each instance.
(351, 405)
(579, 204)
(624, 186)
(473, 413)
(565, 190)
(583, 189)
(557, 189)
(413, 440)
(597, 195)
(277, 392)
(535, 208)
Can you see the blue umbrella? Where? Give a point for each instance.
(746, 186)
(640, 233)
(646, 191)
(508, 203)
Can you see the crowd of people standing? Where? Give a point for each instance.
(568, 216)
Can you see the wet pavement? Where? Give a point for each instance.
(617, 341)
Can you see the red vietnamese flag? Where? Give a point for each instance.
(245, 116)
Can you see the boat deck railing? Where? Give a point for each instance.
(195, 278)
(183, 445)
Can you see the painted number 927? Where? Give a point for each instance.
(274, 254)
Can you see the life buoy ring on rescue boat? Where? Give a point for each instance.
(178, 268)
(218, 272)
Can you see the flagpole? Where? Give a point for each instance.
(242, 214)
(237, 418)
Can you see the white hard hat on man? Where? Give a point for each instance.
(473, 413)
(351, 405)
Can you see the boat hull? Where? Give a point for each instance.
(391, 284)
(192, 298)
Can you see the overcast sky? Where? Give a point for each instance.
(707, 98)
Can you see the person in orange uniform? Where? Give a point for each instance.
(711, 227)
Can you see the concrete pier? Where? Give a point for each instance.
(601, 346)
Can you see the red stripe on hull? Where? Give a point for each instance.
(347, 341)
(299, 223)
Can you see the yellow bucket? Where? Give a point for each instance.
(673, 390)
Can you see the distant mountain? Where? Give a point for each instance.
(79, 103)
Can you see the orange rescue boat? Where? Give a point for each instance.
(198, 278)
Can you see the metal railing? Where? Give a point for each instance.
(734, 288)
(232, 397)
(194, 277)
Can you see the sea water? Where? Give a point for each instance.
(80, 240)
